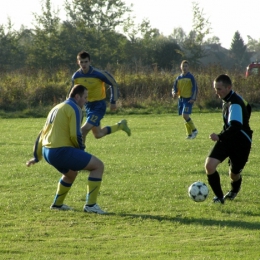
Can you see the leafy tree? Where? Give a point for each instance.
(192, 46)
(167, 53)
(98, 14)
(179, 35)
(201, 26)
(239, 52)
(253, 45)
(100, 18)
(73, 40)
(11, 54)
(141, 41)
(213, 40)
(45, 49)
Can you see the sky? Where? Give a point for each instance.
(225, 16)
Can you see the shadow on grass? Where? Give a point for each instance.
(198, 221)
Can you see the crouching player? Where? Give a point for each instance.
(60, 143)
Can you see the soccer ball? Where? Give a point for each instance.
(198, 191)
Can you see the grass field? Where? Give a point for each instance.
(144, 188)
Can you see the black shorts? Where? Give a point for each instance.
(236, 150)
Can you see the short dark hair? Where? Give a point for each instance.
(77, 89)
(224, 78)
(184, 61)
(83, 55)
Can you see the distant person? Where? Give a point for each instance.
(234, 141)
(60, 143)
(94, 80)
(185, 87)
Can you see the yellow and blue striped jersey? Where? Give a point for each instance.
(62, 128)
(94, 80)
(185, 86)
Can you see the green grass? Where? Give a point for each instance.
(144, 188)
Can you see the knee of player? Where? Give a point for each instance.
(186, 117)
(86, 128)
(97, 136)
(234, 176)
(100, 165)
(100, 168)
(209, 168)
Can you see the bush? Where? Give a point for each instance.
(145, 90)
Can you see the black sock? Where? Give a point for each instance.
(214, 182)
(235, 185)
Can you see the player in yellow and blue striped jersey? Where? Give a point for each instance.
(185, 87)
(95, 80)
(60, 143)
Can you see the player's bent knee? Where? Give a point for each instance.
(210, 168)
(98, 136)
(95, 164)
(234, 176)
(100, 166)
(86, 128)
(211, 165)
(70, 176)
(99, 133)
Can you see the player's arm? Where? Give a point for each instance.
(72, 84)
(113, 86)
(174, 88)
(235, 122)
(194, 89)
(37, 151)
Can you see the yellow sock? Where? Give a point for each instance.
(62, 190)
(191, 124)
(188, 129)
(92, 190)
(115, 128)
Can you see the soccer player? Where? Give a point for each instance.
(234, 141)
(60, 143)
(185, 87)
(94, 80)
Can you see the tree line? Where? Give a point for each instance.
(107, 30)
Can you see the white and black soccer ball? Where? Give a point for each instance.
(198, 191)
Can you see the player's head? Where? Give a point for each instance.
(83, 55)
(225, 79)
(184, 66)
(80, 94)
(222, 85)
(83, 60)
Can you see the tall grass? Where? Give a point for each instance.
(27, 91)
(144, 188)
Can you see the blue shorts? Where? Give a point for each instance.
(95, 112)
(184, 107)
(66, 158)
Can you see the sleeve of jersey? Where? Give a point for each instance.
(75, 126)
(235, 122)
(174, 87)
(194, 88)
(108, 79)
(37, 149)
(72, 84)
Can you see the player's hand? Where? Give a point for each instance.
(112, 107)
(191, 101)
(31, 162)
(174, 95)
(214, 137)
